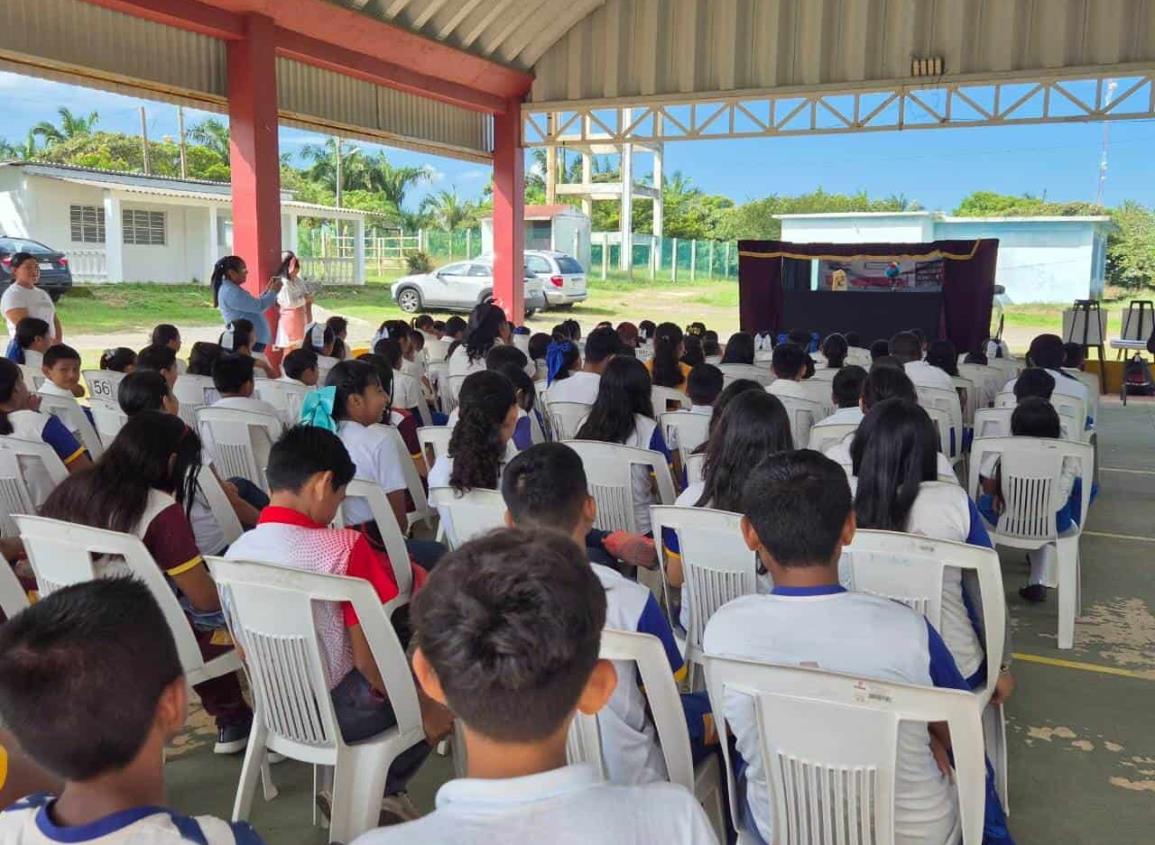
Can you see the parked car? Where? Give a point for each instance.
(563, 279)
(55, 276)
(458, 287)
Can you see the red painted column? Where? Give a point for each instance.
(254, 153)
(509, 213)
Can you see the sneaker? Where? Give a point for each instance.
(233, 738)
(396, 809)
(1033, 593)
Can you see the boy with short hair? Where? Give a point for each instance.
(61, 369)
(703, 386)
(799, 514)
(582, 386)
(233, 379)
(789, 365)
(545, 487)
(846, 390)
(91, 685)
(300, 366)
(907, 347)
(508, 630)
(159, 358)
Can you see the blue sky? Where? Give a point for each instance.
(935, 167)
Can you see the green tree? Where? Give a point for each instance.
(448, 211)
(323, 158)
(1131, 247)
(71, 126)
(211, 134)
(393, 183)
(26, 151)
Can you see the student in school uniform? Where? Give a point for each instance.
(202, 356)
(508, 632)
(426, 327)
(487, 418)
(168, 335)
(665, 366)
(91, 686)
(907, 348)
(789, 365)
(405, 422)
(846, 391)
(487, 326)
(1037, 382)
(233, 380)
(739, 349)
(703, 387)
(300, 367)
(1047, 351)
(159, 359)
(504, 359)
(142, 485)
(61, 369)
(624, 413)
(239, 337)
(320, 340)
(118, 359)
(30, 341)
(834, 350)
(798, 516)
(582, 385)
(407, 393)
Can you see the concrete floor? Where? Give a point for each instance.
(1082, 747)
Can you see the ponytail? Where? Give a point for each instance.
(221, 270)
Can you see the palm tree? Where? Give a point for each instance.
(448, 211)
(21, 152)
(394, 182)
(212, 134)
(71, 126)
(354, 170)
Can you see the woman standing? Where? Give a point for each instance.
(295, 302)
(24, 299)
(236, 303)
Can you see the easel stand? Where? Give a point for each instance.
(1082, 332)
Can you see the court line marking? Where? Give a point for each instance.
(1128, 471)
(1111, 536)
(1081, 666)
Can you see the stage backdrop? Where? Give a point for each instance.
(942, 287)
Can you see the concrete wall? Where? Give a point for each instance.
(882, 228)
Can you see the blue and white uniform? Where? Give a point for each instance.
(33, 425)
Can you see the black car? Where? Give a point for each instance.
(55, 276)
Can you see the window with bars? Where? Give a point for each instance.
(87, 223)
(144, 228)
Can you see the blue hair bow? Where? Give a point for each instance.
(317, 409)
(555, 359)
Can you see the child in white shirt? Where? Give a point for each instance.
(319, 339)
(233, 380)
(846, 391)
(31, 340)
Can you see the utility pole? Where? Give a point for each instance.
(183, 151)
(1111, 85)
(337, 142)
(144, 141)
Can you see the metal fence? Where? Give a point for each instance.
(678, 259)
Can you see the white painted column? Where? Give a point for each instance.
(626, 227)
(658, 204)
(211, 246)
(292, 235)
(113, 239)
(587, 183)
(359, 251)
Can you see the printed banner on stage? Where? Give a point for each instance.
(904, 274)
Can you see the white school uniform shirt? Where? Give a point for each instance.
(579, 387)
(843, 416)
(923, 374)
(572, 805)
(840, 454)
(704, 410)
(460, 365)
(377, 458)
(789, 388)
(1065, 384)
(855, 633)
(38, 304)
(32, 358)
(247, 403)
(415, 369)
(28, 822)
(406, 391)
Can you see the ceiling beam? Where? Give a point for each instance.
(189, 15)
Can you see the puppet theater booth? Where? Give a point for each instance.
(944, 288)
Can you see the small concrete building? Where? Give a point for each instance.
(1041, 259)
(560, 227)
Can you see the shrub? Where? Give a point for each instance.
(418, 262)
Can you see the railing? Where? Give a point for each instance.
(679, 259)
(88, 266)
(330, 271)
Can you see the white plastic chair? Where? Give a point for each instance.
(219, 505)
(566, 418)
(62, 553)
(109, 419)
(665, 397)
(270, 612)
(190, 389)
(584, 742)
(1091, 382)
(422, 511)
(454, 384)
(825, 735)
(13, 599)
(734, 372)
(988, 380)
(391, 537)
(820, 393)
(695, 468)
(29, 470)
(969, 390)
(945, 401)
(435, 350)
(803, 414)
(1072, 413)
(685, 430)
(466, 515)
(103, 384)
(69, 412)
(239, 441)
(822, 437)
(1029, 470)
(824, 373)
(286, 396)
(435, 439)
(609, 468)
(33, 377)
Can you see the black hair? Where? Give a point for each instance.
(10, 376)
(389, 348)
(570, 360)
(500, 355)
(1034, 381)
(19, 258)
(30, 328)
(846, 387)
(624, 390)
(226, 265)
(521, 382)
(729, 393)
(797, 503)
(667, 370)
(834, 348)
(894, 450)
(853, 339)
(572, 329)
(710, 346)
(906, 347)
(601, 344)
(164, 334)
(143, 390)
(511, 623)
(326, 339)
(692, 354)
(539, 345)
(156, 358)
(298, 362)
(59, 352)
(886, 383)
(1035, 417)
(704, 384)
(545, 486)
(397, 329)
(232, 372)
(1046, 351)
(475, 444)
(303, 451)
(202, 356)
(113, 492)
(920, 334)
(349, 378)
(338, 326)
(455, 324)
(752, 426)
(788, 360)
(646, 329)
(739, 349)
(384, 371)
(242, 331)
(944, 355)
(800, 338)
(879, 349)
(976, 358)
(81, 672)
(423, 322)
(1074, 356)
(287, 259)
(485, 322)
(117, 359)
(887, 362)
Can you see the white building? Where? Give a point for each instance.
(560, 227)
(127, 227)
(1041, 259)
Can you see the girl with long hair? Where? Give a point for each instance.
(834, 350)
(739, 349)
(236, 303)
(294, 301)
(624, 413)
(339, 326)
(894, 454)
(30, 342)
(404, 421)
(487, 416)
(202, 356)
(666, 366)
(145, 484)
(487, 327)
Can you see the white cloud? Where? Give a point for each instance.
(436, 177)
(476, 174)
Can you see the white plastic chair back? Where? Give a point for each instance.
(968, 389)
(103, 384)
(190, 389)
(609, 471)
(69, 412)
(566, 418)
(669, 399)
(435, 439)
(239, 441)
(467, 515)
(829, 745)
(824, 373)
(286, 396)
(1009, 367)
(947, 402)
(62, 553)
(270, 610)
(109, 419)
(1091, 382)
(822, 437)
(22, 461)
(1071, 410)
(521, 341)
(820, 393)
(413, 482)
(219, 505)
(993, 422)
(33, 377)
(988, 380)
(435, 350)
(802, 414)
(439, 377)
(695, 468)
(455, 383)
(717, 566)
(734, 372)
(13, 599)
(390, 531)
(685, 430)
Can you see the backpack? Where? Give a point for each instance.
(1137, 379)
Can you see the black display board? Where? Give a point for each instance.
(873, 314)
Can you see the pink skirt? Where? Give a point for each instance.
(291, 326)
